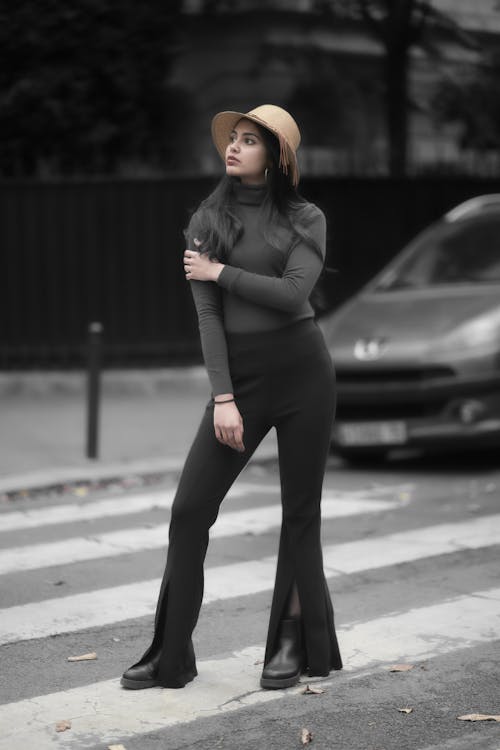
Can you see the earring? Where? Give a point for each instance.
(266, 172)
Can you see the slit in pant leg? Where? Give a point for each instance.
(208, 474)
(319, 639)
(303, 440)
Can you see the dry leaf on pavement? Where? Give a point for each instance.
(117, 747)
(401, 667)
(312, 690)
(306, 736)
(84, 657)
(405, 710)
(61, 726)
(479, 717)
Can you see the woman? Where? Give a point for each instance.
(256, 249)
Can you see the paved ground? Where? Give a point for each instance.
(147, 422)
(411, 558)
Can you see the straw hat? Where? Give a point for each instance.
(275, 119)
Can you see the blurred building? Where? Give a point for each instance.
(327, 67)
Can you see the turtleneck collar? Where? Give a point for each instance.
(249, 195)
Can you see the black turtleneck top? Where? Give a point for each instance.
(261, 287)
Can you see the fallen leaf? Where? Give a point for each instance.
(479, 717)
(306, 736)
(405, 710)
(259, 661)
(84, 657)
(401, 667)
(61, 726)
(312, 690)
(117, 747)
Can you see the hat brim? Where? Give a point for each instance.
(224, 123)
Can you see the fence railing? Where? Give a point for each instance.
(111, 251)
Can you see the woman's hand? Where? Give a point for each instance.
(199, 267)
(228, 425)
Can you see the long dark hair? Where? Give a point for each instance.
(286, 213)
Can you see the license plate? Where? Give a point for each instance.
(371, 433)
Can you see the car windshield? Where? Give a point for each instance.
(463, 252)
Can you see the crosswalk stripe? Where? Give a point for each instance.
(33, 518)
(116, 506)
(114, 543)
(103, 713)
(146, 501)
(115, 604)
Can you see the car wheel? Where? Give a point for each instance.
(361, 456)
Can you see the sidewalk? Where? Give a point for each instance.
(148, 419)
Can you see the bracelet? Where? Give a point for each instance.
(227, 401)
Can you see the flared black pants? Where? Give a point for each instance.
(284, 379)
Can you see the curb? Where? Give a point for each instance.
(36, 482)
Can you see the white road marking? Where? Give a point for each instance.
(106, 606)
(257, 520)
(116, 506)
(51, 515)
(359, 501)
(103, 713)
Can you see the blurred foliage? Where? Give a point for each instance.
(84, 86)
(333, 102)
(472, 101)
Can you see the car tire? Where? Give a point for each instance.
(361, 456)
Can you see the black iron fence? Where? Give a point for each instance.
(111, 251)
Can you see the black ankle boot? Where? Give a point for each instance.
(141, 675)
(285, 667)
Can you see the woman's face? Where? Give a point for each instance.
(246, 155)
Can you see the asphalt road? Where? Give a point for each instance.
(411, 556)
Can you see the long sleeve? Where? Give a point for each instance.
(208, 302)
(289, 291)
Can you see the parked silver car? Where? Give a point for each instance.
(417, 350)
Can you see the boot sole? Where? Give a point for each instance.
(137, 684)
(275, 683)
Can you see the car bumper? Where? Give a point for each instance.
(466, 415)
(399, 433)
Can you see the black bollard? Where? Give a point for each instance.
(93, 387)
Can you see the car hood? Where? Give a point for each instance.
(409, 324)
